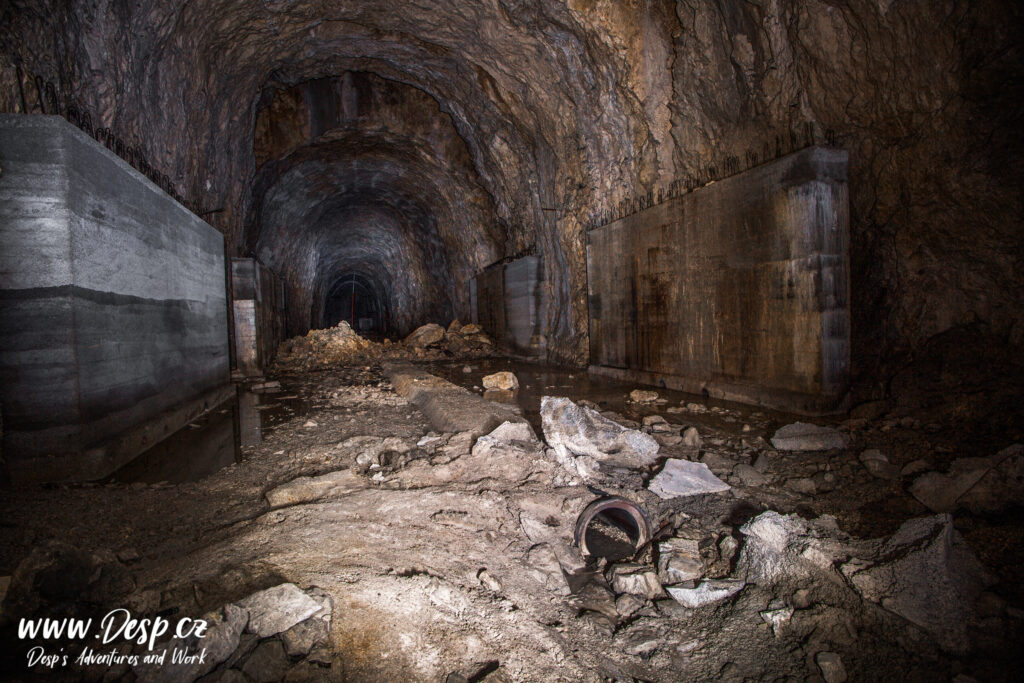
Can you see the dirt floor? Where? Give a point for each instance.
(449, 562)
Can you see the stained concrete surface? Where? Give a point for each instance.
(113, 306)
(740, 288)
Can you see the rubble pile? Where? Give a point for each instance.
(341, 345)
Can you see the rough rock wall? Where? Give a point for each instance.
(568, 108)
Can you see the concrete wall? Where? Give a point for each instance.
(113, 319)
(258, 315)
(739, 288)
(510, 305)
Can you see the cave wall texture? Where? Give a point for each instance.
(415, 143)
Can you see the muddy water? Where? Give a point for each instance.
(215, 439)
(537, 381)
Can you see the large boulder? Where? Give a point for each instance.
(584, 441)
(425, 335)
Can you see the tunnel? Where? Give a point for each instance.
(511, 340)
(358, 300)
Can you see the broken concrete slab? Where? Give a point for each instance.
(449, 408)
(309, 489)
(277, 609)
(801, 436)
(681, 478)
(706, 592)
(583, 440)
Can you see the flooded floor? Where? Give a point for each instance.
(537, 381)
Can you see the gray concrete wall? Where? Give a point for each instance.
(510, 305)
(112, 304)
(740, 288)
(258, 316)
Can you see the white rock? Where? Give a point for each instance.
(582, 439)
(706, 592)
(777, 618)
(685, 478)
(278, 609)
(801, 436)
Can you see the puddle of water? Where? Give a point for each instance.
(213, 440)
(537, 381)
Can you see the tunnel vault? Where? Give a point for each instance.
(366, 178)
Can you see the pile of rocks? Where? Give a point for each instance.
(342, 345)
(331, 346)
(459, 340)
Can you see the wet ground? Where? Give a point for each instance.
(403, 554)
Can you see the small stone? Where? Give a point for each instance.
(310, 423)
(749, 475)
(488, 581)
(636, 580)
(727, 547)
(777, 618)
(627, 605)
(427, 335)
(128, 555)
(501, 381)
(877, 464)
(691, 438)
(915, 467)
(801, 436)
(802, 599)
(510, 432)
(831, 666)
(466, 369)
(652, 420)
(643, 396)
(802, 485)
